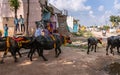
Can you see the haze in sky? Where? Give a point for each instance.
(89, 12)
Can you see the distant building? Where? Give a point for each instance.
(73, 24)
(70, 24)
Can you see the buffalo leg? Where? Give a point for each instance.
(118, 49)
(92, 48)
(88, 48)
(59, 51)
(107, 49)
(56, 53)
(112, 50)
(14, 55)
(31, 54)
(2, 61)
(95, 48)
(18, 51)
(41, 54)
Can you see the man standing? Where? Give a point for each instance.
(21, 20)
(16, 22)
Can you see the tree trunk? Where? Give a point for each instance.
(15, 12)
(27, 32)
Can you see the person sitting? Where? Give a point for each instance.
(37, 31)
(48, 34)
(50, 29)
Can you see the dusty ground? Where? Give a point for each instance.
(72, 61)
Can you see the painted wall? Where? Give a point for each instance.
(75, 28)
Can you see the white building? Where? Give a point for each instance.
(70, 24)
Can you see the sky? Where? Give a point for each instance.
(90, 12)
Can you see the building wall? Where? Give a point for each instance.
(35, 13)
(6, 12)
(62, 29)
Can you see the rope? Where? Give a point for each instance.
(53, 38)
(65, 40)
(20, 42)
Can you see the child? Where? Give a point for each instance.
(5, 30)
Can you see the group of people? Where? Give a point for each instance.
(47, 31)
(16, 23)
(21, 22)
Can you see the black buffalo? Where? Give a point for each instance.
(112, 42)
(92, 42)
(47, 43)
(7, 44)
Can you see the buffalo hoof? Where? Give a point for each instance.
(16, 61)
(28, 56)
(118, 51)
(87, 52)
(30, 59)
(2, 62)
(20, 56)
(45, 60)
(106, 53)
(56, 56)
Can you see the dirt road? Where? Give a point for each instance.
(72, 61)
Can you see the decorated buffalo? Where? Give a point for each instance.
(47, 43)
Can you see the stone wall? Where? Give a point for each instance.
(63, 25)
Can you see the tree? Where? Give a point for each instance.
(115, 20)
(28, 2)
(106, 27)
(14, 4)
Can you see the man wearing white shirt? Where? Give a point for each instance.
(37, 31)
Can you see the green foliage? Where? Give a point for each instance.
(14, 4)
(106, 27)
(80, 32)
(112, 18)
(115, 19)
(83, 33)
(76, 46)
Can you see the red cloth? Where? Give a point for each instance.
(18, 39)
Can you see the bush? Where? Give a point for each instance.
(83, 33)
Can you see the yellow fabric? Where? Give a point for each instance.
(48, 27)
(7, 41)
(6, 50)
(20, 43)
(7, 44)
(65, 41)
(53, 38)
(27, 41)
